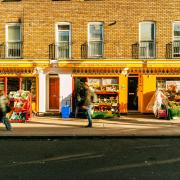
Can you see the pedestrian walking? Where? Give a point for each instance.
(79, 92)
(88, 102)
(4, 108)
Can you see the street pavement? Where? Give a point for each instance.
(124, 126)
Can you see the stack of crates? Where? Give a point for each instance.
(65, 111)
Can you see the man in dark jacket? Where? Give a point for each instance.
(4, 108)
(88, 103)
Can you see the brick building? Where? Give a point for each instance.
(128, 46)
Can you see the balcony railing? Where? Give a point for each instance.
(144, 50)
(60, 50)
(93, 49)
(173, 50)
(147, 49)
(11, 50)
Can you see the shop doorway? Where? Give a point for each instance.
(132, 93)
(54, 93)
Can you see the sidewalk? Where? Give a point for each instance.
(125, 126)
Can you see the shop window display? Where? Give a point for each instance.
(170, 88)
(106, 89)
(26, 84)
(21, 105)
(22, 95)
(21, 92)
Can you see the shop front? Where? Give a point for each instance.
(123, 92)
(19, 85)
(121, 86)
(106, 89)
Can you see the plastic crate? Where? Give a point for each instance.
(162, 113)
(65, 111)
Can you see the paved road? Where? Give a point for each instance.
(92, 158)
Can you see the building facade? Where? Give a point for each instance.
(124, 48)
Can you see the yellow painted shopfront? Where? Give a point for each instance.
(17, 76)
(137, 81)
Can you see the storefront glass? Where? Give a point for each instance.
(168, 84)
(12, 84)
(15, 84)
(29, 84)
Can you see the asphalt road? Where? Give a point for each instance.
(88, 159)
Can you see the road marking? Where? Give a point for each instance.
(152, 146)
(66, 157)
(136, 165)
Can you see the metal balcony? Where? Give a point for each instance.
(88, 50)
(93, 49)
(173, 50)
(11, 50)
(144, 50)
(60, 50)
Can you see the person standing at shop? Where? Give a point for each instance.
(4, 108)
(88, 103)
(79, 92)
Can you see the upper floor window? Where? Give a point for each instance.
(13, 40)
(95, 39)
(63, 40)
(176, 40)
(147, 40)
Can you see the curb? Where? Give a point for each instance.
(52, 138)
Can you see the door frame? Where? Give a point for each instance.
(47, 94)
(133, 76)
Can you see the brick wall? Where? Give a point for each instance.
(38, 19)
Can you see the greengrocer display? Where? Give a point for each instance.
(20, 101)
(167, 100)
(107, 96)
(173, 94)
(107, 103)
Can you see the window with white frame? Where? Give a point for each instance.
(95, 39)
(13, 40)
(176, 39)
(63, 40)
(147, 40)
